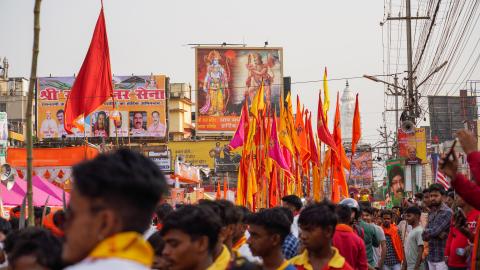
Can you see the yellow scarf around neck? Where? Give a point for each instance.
(127, 245)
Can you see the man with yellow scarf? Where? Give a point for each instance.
(111, 206)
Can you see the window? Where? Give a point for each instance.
(3, 107)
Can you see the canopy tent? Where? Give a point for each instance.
(50, 188)
(39, 196)
(10, 197)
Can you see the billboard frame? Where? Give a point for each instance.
(197, 114)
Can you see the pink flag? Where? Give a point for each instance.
(274, 150)
(239, 137)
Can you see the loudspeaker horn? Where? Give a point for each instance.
(7, 176)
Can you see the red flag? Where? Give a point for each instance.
(322, 129)
(356, 128)
(93, 85)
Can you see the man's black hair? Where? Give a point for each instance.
(426, 190)
(419, 196)
(225, 210)
(195, 221)
(437, 188)
(163, 210)
(157, 243)
(344, 214)
(386, 212)
(60, 111)
(124, 181)
(273, 220)
(233, 215)
(396, 170)
(413, 210)
(451, 194)
(287, 213)
(5, 226)
(368, 210)
(15, 223)
(293, 200)
(319, 215)
(38, 211)
(37, 242)
(364, 204)
(244, 212)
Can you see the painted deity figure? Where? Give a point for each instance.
(258, 71)
(214, 85)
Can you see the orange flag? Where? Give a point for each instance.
(339, 162)
(356, 128)
(225, 188)
(273, 191)
(301, 134)
(218, 196)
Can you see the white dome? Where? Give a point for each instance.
(347, 109)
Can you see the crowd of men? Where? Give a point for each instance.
(116, 219)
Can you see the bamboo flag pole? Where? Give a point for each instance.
(29, 131)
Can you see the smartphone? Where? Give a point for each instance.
(449, 154)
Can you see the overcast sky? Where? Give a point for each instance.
(148, 36)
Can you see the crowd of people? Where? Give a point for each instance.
(117, 219)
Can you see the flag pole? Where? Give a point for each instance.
(29, 131)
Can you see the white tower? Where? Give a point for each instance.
(347, 109)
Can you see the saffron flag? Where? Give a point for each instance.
(326, 96)
(341, 160)
(258, 103)
(93, 85)
(356, 128)
(322, 129)
(311, 139)
(284, 136)
(274, 150)
(302, 143)
(238, 139)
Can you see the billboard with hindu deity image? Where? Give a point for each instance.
(228, 77)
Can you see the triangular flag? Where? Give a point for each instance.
(93, 85)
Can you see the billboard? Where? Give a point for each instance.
(140, 109)
(395, 182)
(361, 169)
(412, 146)
(449, 114)
(226, 77)
(161, 158)
(204, 153)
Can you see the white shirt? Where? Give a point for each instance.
(294, 227)
(102, 264)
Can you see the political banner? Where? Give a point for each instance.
(140, 109)
(395, 182)
(227, 77)
(361, 169)
(413, 146)
(204, 153)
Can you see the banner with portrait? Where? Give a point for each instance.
(140, 109)
(361, 169)
(412, 146)
(395, 182)
(226, 77)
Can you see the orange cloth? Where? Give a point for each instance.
(50, 225)
(392, 231)
(239, 243)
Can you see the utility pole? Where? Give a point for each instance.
(411, 98)
(412, 102)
